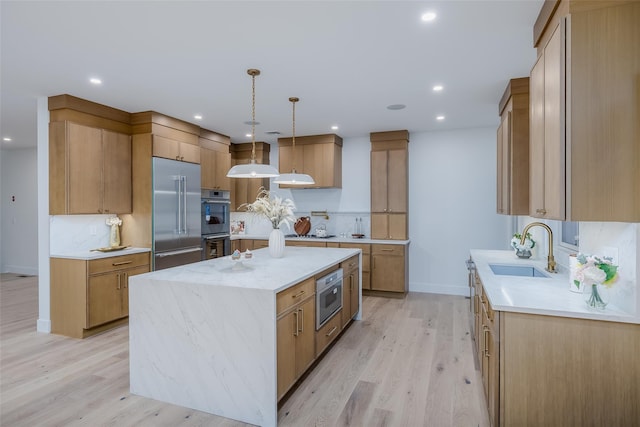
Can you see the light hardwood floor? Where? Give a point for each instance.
(409, 363)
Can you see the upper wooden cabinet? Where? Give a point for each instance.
(389, 185)
(171, 138)
(89, 170)
(245, 190)
(513, 149)
(584, 137)
(215, 160)
(319, 156)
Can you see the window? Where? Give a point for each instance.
(570, 234)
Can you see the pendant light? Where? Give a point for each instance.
(294, 178)
(253, 169)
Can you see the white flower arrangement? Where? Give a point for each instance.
(114, 220)
(276, 209)
(529, 243)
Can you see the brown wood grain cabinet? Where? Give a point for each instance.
(513, 149)
(317, 155)
(246, 190)
(550, 370)
(366, 261)
(215, 160)
(350, 289)
(389, 271)
(295, 333)
(584, 149)
(171, 138)
(389, 185)
(90, 296)
(89, 170)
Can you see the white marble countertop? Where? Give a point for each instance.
(548, 296)
(336, 239)
(259, 272)
(90, 255)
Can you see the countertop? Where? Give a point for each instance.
(336, 239)
(260, 272)
(547, 296)
(90, 255)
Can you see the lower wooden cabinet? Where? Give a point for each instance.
(350, 287)
(328, 332)
(488, 350)
(90, 296)
(366, 261)
(389, 268)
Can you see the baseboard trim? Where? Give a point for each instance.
(16, 269)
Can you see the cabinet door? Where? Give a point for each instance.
(379, 226)
(117, 172)
(287, 329)
(222, 166)
(536, 139)
(189, 152)
(503, 164)
(207, 168)
(378, 182)
(166, 148)
(397, 181)
(397, 226)
(85, 161)
(104, 298)
(388, 273)
(347, 285)
(355, 294)
(305, 341)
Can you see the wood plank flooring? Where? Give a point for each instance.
(409, 363)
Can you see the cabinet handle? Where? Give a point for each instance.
(351, 283)
(386, 250)
(177, 157)
(301, 311)
(181, 157)
(299, 294)
(126, 280)
(121, 263)
(296, 333)
(486, 346)
(541, 211)
(335, 328)
(118, 281)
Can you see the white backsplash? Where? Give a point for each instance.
(72, 233)
(338, 223)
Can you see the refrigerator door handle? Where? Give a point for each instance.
(184, 204)
(178, 185)
(178, 252)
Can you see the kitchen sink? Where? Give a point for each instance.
(517, 270)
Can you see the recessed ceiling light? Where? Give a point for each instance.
(334, 127)
(6, 139)
(248, 135)
(395, 106)
(95, 81)
(197, 117)
(428, 16)
(439, 118)
(438, 88)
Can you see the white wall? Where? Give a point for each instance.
(19, 246)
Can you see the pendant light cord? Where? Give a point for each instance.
(293, 134)
(253, 117)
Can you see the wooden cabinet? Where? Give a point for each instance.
(319, 156)
(171, 138)
(215, 160)
(512, 194)
(389, 269)
(175, 150)
(350, 289)
(91, 296)
(366, 261)
(89, 170)
(246, 190)
(389, 185)
(584, 149)
(306, 243)
(296, 333)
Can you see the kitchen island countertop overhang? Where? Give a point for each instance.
(203, 335)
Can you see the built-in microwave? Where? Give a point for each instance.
(328, 297)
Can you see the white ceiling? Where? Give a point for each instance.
(345, 60)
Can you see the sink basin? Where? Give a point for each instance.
(517, 270)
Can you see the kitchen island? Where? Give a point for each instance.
(204, 335)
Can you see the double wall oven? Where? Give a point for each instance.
(215, 213)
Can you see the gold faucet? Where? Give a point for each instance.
(551, 262)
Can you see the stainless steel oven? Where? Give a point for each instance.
(215, 246)
(215, 213)
(328, 297)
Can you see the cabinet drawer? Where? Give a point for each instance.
(350, 264)
(364, 247)
(295, 294)
(328, 332)
(118, 262)
(387, 250)
(258, 244)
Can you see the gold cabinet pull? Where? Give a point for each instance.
(118, 274)
(296, 333)
(126, 280)
(299, 294)
(301, 311)
(486, 346)
(335, 328)
(386, 250)
(541, 211)
(121, 263)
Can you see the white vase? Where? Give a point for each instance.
(276, 243)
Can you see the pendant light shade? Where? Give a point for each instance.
(294, 178)
(253, 169)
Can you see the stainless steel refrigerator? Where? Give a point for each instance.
(176, 213)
